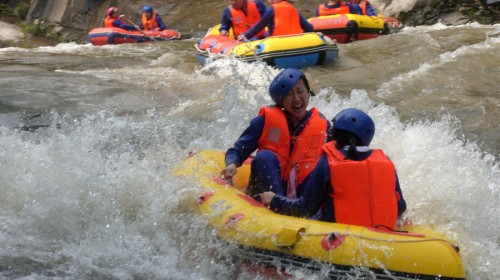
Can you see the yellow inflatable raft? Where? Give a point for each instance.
(344, 250)
(296, 51)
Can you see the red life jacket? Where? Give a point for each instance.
(286, 19)
(243, 22)
(307, 148)
(323, 10)
(364, 191)
(108, 21)
(149, 24)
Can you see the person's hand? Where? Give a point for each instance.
(266, 198)
(122, 16)
(242, 38)
(229, 171)
(224, 33)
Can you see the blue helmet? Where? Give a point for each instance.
(356, 122)
(147, 9)
(284, 82)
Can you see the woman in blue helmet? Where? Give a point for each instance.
(351, 183)
(151, 21)
(287, 137)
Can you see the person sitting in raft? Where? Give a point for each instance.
(281, 18)
(151, 21)
(241, 15)
(114, 20)
(288, 139)
(354, 184)
(366, 7)
(337, 7)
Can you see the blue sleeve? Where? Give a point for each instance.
(119, 24)
(160, 22)
(370, 11)
(355, 9)
(316, 13)
(401, 200)
(226, 22)
(247, 143)
(141, 26)
(305, 25)
(317, 191)
(261, 7)
(266, 19)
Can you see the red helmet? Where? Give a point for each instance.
(110, 11)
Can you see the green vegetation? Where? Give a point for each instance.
(21, 11)
(17, 15)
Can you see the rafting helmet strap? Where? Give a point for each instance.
(356, 122)
(284, 82)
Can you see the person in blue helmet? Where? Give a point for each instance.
(151, 21)
(287, 136)
(240, 15)
(351, 183)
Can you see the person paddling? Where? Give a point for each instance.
(114, 20)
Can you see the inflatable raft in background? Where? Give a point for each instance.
(287, 51)
(112, 35)
(341, 250)
(346, 28)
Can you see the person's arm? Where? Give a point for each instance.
(119, 24)
(370, 11)
(261, 7)
(317, 189)
(246, 144)
(141, 26)
(305, 25)
(261, 24)
(316, 13)
(400, 198)
(161, 24)
(226, 22)
(355, 9)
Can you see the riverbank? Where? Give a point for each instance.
(44, 23)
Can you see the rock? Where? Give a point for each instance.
(455, 18)
(10, 32)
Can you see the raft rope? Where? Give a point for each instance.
(336, 233)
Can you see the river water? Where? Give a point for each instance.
(90, 135)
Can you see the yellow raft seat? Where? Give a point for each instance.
(346, 250)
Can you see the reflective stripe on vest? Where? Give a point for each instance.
(149, 24)
(286, 19)
(241, 22)
(323, 10)
(364, 192)
(307, 148)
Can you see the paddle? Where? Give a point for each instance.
(138, 29)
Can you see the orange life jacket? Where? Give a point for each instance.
(108, 21)
(149, 24)
(307, 148)
(286, 19)
(362, 4)
(323, 10)
(364, 191)
(242, 22)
